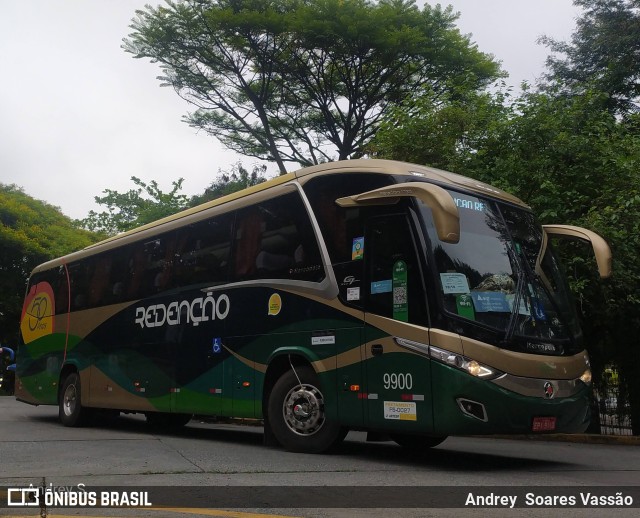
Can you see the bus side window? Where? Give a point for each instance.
(275, 240)
(99, 287)
(202, 255)
(135, 272)
(343, 227)
(340, 225)
(249, 230)
(157, 264)
(61, 290)
(145, 265)
(79, 280)
(119, 274)
(394, 283)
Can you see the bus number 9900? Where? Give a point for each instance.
(397, 381)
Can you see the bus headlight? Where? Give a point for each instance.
(475, 369)
(468, 365)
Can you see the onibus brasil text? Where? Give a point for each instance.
(77, 496)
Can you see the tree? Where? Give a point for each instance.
(444, 131)
(303, 81)
(604, 53)
(148, 203)
(613, 314)
(135, 207)
(227, 183)
(31, 232)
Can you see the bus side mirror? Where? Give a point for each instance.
(445, 211)
(600, 247)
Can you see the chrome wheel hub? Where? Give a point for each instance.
(303, 409)
(69, 401)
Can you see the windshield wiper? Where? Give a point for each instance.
(527, 275)
(515, 310)
(521, 283)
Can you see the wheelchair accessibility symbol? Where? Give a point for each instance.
(217, 346)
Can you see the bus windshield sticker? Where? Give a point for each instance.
(490, 301)
(464, 305)
(400, 300)
(381, 286)
(353, 293)
(357, 251)
(524, 307)
(538, 311)
(454, 283)
(469, 204)
(275, 305)
(217, 346)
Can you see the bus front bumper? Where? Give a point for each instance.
(463, 404)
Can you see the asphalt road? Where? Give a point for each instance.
(125, 453)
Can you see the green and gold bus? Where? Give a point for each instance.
(369, 295)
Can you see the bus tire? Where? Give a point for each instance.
(297, 414)
(70, 409)
(417, 442)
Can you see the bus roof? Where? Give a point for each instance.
(390, 167)
(398, 168)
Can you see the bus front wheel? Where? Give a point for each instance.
(70, 409)
(297, 413)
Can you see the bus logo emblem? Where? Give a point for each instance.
(275, 305)
(549, 391)
(38, 313)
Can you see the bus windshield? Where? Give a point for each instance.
(503, 276)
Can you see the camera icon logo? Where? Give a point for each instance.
(23, 497)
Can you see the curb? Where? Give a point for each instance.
(582, 438)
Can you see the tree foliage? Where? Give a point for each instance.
(604, 53)
(136, 207)
(227, 183)
(442, 130)
(148, 203)
(31, 232)
(303, 81)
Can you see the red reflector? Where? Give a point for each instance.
(544, 424)
(406, 397)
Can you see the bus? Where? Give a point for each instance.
(370, 295)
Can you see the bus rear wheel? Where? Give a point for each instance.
(417, 442)
(297, 413)
(70, 409)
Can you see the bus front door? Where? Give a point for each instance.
(398, 388)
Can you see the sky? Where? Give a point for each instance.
(78, 115)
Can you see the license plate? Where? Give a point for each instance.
(544, 424)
